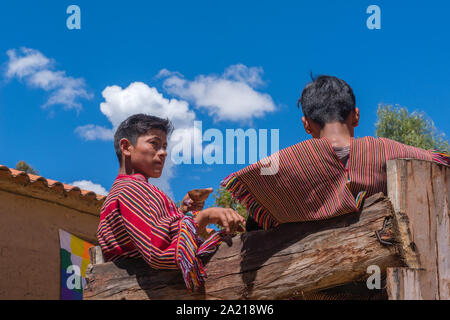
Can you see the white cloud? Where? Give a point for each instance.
(30, 62)
(138, 97)
(241, 73)
(89, 185)
(231, 96)
(163, 73)
(94, 132)
(35, 69)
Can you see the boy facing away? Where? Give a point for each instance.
(139, 220)
(326, 176)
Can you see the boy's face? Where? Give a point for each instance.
(149, 154)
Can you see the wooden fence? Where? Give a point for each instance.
(405, 234)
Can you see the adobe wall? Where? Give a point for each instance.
(29, 244)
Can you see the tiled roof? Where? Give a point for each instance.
(59, 190)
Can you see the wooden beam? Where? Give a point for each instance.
(281, 263)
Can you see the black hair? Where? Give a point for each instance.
(327, 99)
(137, 125)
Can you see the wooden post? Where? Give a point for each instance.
(96, 255)
(420, 193)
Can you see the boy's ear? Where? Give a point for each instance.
(125, 146)
(355, 121)
(306, 125)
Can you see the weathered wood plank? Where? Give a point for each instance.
(404, 284)
(420, 193)
(275, 264)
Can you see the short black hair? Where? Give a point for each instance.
(137, 125)
(327, 99)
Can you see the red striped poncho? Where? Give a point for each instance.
(313, 184)
(139, 220)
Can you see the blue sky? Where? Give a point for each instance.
(228, 64)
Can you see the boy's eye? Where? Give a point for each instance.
(158, 145)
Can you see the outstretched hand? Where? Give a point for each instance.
(194, 200)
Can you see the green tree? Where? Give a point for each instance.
(23, 166)
(225, 200)
(414, 129)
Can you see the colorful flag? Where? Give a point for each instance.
(74, 261)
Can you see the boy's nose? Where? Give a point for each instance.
(162, 153)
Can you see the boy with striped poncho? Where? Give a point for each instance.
(139, 220)
(326, 176)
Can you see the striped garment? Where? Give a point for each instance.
(139, 220)
(313, 184)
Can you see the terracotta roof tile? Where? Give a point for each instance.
(25, 179)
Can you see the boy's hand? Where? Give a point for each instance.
(229, 219)
(194, 200)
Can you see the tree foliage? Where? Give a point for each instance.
(23, 166)
(414, 129)
(225, 200)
